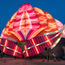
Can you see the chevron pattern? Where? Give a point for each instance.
(31, 25)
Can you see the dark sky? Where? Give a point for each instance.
(8, 7)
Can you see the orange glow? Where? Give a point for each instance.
(15, 50)
(34, 20)
(5, 30)
(43, 22)
(36, 32)
(0, 40)
(13, 34)
(46, 18)
(39, 10)
(8, 24)
(35, 47)
(16, 35)
(26, 50)
(48, 39)
(6, 42)
(52, 25)
(49, 16)
(11, 25)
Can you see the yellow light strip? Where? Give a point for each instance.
(35, 46)
(15, 50)
(6, 42)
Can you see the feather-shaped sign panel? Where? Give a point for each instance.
(29, 31)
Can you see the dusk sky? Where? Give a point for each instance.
(8, 7)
